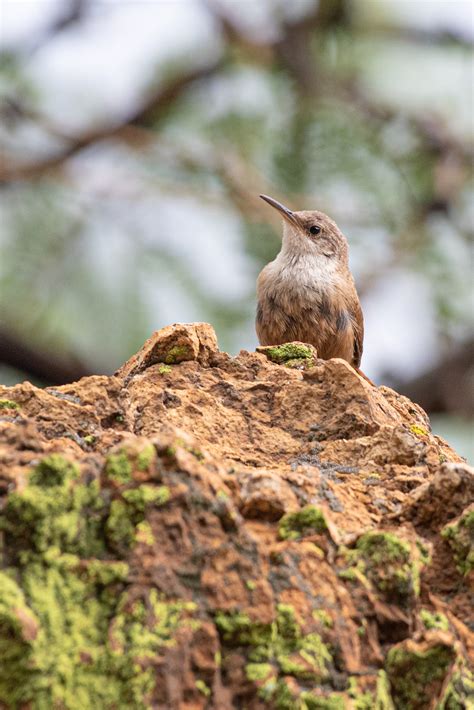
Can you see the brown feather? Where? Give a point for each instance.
(308, 294)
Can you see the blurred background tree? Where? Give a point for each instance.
(136, 137)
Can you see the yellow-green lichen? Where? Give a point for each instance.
(460, 536)
(164, 369)
(146, 457)
(417, 675)
(277, 649)
(434, 620)
(203, 688)
(259, 671)
(360, 700)
(323, 617)
(393, 565)
(144, 533)
(178, 353)
(118, 467)
(419, 430)
(8, 404)
(286, 697)
(310, 701)
(308, 521)
(459, 693)
(288, 351)
(69, 636)
(383, 697)
(142, 496)
(119, 527)
(250, 584)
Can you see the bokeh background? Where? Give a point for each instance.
(136, 136)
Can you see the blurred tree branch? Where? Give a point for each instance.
(148, 113)
(50, 368)
(446, 387)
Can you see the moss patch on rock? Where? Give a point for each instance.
(417, 673)
(460, 536)
(434, 620)
(118, 467)
(296, 355)
(276, 650)
(309, 520)
(388, 562)
(177, 354)
(69, 637)
(8, 404)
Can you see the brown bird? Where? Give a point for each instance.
(307, 293)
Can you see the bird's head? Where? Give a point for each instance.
(311, 233)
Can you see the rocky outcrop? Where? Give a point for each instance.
(206, 531)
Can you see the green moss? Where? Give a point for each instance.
(8, 404)
(164, 369)
(239, 629)
(383, 697)
(69, 635)
(382, 546)
(390, 563)
(459, 694)
(258, 671)
(144, 533)
(360, 701)
(323, 617)
(48, 513)
(286, 697)
(416, 676)
(276, 650)
(308, 521)
(15, 643)
(120, 526)
(203, 688)
(250, 585)
(146, 495)
(146, 457)
(105, 572)
(90, 439)
(54, 470)
(118, 467)
(288, 351)
(434, 620)
(177, 353)
(139, 632)
(309, 701)
(460, 536)
(419, 430)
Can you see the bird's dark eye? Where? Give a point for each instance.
(314, 229)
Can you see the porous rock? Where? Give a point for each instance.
(206, 531)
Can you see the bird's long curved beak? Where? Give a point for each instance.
(286, 213)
